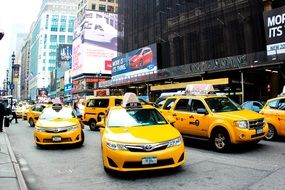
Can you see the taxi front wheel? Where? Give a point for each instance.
(220, 140)
(92, 125)
(271, 135)
(31, 122)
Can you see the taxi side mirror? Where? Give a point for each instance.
(100, 124)
(202, 111)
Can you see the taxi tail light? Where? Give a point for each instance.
(112, 163)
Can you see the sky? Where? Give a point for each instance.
(16, 16)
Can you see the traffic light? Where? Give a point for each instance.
(1, 35)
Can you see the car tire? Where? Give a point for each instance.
(92, 125)
(220, 140)
(99, 118)
(271, 135)
(31, 122)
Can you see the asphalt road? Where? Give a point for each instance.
(261, 166)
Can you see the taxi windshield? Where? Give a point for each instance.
(135, 117)
(222, 104)
(64, 113)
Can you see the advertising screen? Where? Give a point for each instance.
(95, 43)
(274, 24)
(64, 59)
(139, 61)
(42, 95)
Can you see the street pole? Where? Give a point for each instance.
(12, 82)
(7, 81)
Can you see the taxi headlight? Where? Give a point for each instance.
(242, 124)
(174, 142)
(115, 146)
(40, 129)
(73, 127)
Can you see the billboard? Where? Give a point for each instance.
(139, 61)
(64, 59)
(42, 95)
(95, 43)
(274, 24)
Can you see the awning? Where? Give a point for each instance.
(221, 81)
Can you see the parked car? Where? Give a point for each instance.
(141, 58)
(253, 105)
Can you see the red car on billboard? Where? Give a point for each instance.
(141, 58)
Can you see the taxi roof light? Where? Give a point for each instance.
(131, 100)
(199, 89)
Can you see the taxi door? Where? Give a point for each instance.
(198, 123)
(166, 110)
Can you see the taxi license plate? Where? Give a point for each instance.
(259, 131)
(149, 160)
(56, 139)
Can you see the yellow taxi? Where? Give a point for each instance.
(96, 108)
(136, 137)
(212, 117)
(25, 112)
(58, 125)
(274, 112)
(34, 112)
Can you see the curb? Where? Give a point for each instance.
(19, 175)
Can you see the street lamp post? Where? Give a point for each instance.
(98, 76)
(12, 81)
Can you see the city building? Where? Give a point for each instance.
(96, 5)
(54, 26)
(94, 45)
(223, 41)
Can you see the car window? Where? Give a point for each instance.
(118, 102)
(91, 103)
(169, 103)
(183, 105)
(257, 105)
(65, 113)
(222, 104)
(273, 104)
(281, 104)
(195, 104)
(135, 117)
(102, 103)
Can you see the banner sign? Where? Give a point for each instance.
(135, 62)
(274, 24)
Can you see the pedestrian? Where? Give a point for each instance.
(14, 113)
(2, 114)
(76, 109)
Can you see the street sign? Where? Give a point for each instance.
(12, 86)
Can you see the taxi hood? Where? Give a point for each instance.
(240, 115)
(141, 134)
(59, 122)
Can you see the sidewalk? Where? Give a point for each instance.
(11, 177)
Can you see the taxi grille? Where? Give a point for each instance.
(62, 140)
(139, 164)
(255, 124)
(56, 130)
(142, 148)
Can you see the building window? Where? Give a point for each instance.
(61, 39)
(93, 6)
(71, 24)
(62, 24)
(102, 7)
(53, 38)
(47, 17)
(54, 23)
(110, 8)
(111, 1)
(69, 39)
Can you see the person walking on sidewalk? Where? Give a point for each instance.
(14, 113)
(2, 114)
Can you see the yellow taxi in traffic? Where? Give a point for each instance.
(25, 111)
(58, 125)
(274, 112)
(96, 108)
(136, 137)
(34, 112)
(212, 117)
